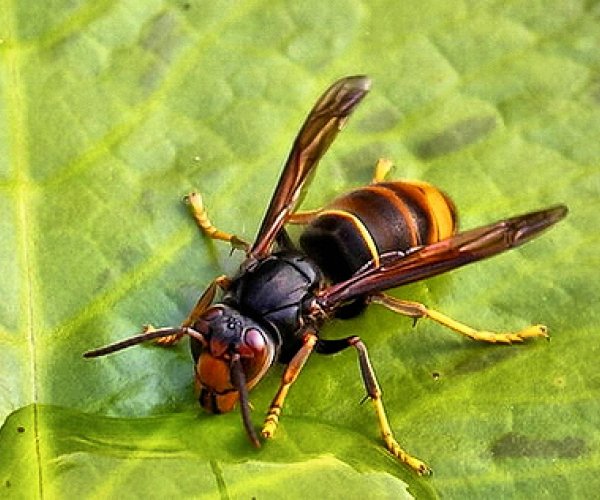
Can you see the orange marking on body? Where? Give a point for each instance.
(437, 207)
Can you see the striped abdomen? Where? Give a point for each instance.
(384, 217)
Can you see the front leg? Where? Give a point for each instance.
(204, 302)
(196, 204)
(290, 375)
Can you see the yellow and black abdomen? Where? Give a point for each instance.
(360, 226)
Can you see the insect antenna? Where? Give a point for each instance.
(144, 337)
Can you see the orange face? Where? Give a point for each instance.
(229, 336)
(213, 381)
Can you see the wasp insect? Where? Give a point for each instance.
(367, 241)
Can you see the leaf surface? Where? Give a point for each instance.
(111, 111)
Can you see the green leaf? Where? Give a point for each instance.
(81, 452)
(111, 111)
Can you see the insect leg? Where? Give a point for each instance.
(290, 374)
(302, 217)
(382, 168)
(206, 299)
(199, 213)
(416, 310)
(374, 393)
(202, 305)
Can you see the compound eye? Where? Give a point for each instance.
(255, 352)
(254, 339)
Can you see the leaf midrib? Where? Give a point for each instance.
(18, 145)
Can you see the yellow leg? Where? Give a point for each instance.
(417, 310)
(302, 217)
(289, 377)
(382, 168)
(202, 305)
(199, 213)
(206, 299)
(374, 393)
(392, 445)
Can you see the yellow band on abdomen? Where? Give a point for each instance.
(360, 227)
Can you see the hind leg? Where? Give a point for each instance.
(417, 310)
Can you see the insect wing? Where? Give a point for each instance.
(320, 128)
(437, 258)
